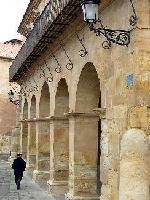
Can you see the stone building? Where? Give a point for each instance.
(84, 110)
(8, 51)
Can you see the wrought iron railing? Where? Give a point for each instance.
(52, 11)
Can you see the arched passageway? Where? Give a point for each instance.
(25, 130)
(87, 133)
(61, 138)
(33, 108)
(44, 133)
(44, 108)
(32, 136)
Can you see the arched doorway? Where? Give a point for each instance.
(25, 130)
(32, 135)
(44, 133)
(87, 135)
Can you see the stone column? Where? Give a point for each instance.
(59, 162)
(16, 136)
(28, 144)
(24, 138)
(42, 173)
(134, 166)
(15, 142)
(83, 152)
(35, 172)
(31, 158)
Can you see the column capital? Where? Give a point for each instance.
(101, 112)
(97, 113)
(55, 118)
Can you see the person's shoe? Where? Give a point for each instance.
(18, 185)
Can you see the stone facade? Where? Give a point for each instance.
(87, 132)
(8, 51)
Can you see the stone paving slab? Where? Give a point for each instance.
(29, 190)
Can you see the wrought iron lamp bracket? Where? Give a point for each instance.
(119, 37)
(13, 90)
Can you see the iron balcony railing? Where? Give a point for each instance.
(58, 13)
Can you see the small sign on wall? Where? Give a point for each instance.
(130, 80)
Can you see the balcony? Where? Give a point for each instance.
(48, 26)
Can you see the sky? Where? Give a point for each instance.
(11, 14)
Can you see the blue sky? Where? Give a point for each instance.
(11, 13)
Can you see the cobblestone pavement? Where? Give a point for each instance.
(28, 191)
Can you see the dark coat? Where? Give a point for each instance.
(19, 166)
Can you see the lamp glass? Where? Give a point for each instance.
(90, 12)
(11, 94)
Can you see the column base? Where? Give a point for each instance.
(31, 168)
(41, 176)
(57, 188)
(70, 197)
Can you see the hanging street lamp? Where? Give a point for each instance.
(11, 95)
(12, 98)
(91, 16)
(90, 10)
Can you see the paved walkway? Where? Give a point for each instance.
(28, 191)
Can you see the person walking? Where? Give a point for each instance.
(19, 166)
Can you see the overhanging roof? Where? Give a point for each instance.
(47, 28)
(28, 16)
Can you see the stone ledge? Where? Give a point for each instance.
(58, 183)
(87, 115)
(40, 175)
(45, 119)
(70, 197)
(57, 188)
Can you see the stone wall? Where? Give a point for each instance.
(117, 80)
(8, 51)
(5, 142)
(7, 109)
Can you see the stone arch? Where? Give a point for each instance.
(44, 107)
(61, 99)
(61, 137)
(134, 166)
(25, 130)
(87, 134)
(33, 107)
(25, 110)
(88, 90)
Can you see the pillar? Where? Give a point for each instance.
(59, 162)
(41, 174)
(83, 155)
(31, 146)
(134, 166)
(24, 138)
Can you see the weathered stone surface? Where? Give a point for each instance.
(134, 166)
(69, 152)
(138, 117)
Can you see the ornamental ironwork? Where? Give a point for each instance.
(119, 37)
